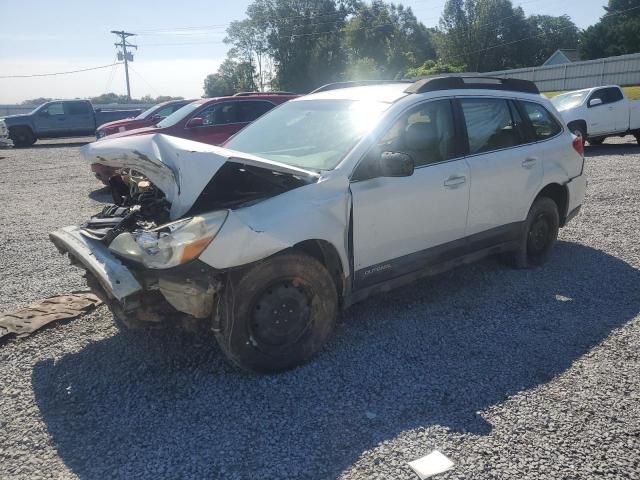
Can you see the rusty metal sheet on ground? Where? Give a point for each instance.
(39, 314)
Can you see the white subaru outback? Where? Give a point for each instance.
(322, 202)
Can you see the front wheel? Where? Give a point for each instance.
(276, 314)
(539, 234)
(22, 137)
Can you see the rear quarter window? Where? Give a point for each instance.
(543, 124)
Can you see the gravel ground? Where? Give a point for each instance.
(512, 374)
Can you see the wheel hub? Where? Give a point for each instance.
(281, 315)
(539, 234)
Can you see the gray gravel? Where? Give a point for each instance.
(512, 374)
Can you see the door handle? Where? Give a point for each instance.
(454, 181)
(530, 162)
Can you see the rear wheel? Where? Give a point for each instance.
(277, 314)
(596, 141)
(539, 234)
(637, 135)
(22, 137)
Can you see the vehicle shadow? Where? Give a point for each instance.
(612, 149)
(102, 195)
(434, 353)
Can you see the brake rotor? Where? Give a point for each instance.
(37, 315)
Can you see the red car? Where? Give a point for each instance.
(147, 118)
(209, 120)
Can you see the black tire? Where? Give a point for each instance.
(596, 141)
(276, 314)
(637, 135)
(539, 235)
(22, 137)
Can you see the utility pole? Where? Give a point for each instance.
(127, 56)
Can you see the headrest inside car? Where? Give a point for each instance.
(420, 136)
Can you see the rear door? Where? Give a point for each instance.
(50, 120)
(80, 119)
(506, 170)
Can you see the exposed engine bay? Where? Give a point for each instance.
(140, 206)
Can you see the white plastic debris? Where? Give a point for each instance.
(431, 464)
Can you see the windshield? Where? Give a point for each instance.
(569, 100)
(178, 115)
(312, 134)
(147, 113)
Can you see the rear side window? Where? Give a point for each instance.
(248, 111)
(543, 123)
(77, 108)
(490, 125)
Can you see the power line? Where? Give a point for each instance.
(57, 73)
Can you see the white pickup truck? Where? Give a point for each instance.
(600, 112)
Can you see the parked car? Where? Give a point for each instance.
(60, 118)
(597, 113)
(324, 201)
(4, 135)
(209, 120)
(147, 118)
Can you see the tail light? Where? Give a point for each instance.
(578, 145)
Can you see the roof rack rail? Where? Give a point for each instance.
(356, 83)
(248, 94)
(471, 82)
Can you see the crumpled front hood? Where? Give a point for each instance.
(180, 168)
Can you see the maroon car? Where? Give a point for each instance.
(147, 118)
(209, 120)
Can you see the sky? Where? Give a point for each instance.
(179, 44)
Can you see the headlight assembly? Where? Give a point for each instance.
(170, 245)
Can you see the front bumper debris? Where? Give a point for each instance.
(115, 278)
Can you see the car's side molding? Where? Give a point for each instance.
(428, 261)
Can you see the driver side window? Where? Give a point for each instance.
(425, 132)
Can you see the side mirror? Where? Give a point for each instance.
(594, 102)
(195, 122)
(395, 164)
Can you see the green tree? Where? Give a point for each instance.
(390, 36)
(550, 33)
(432, 67)
(232, 77)
(303, 38)
(617, 32)
(482, 34)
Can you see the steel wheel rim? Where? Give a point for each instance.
(281, 315)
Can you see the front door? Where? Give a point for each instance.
(601, 118)
(401, 225)
(219, 122)
(50, 120)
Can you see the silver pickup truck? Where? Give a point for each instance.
(57, 119)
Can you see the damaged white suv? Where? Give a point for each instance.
(323, 201)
